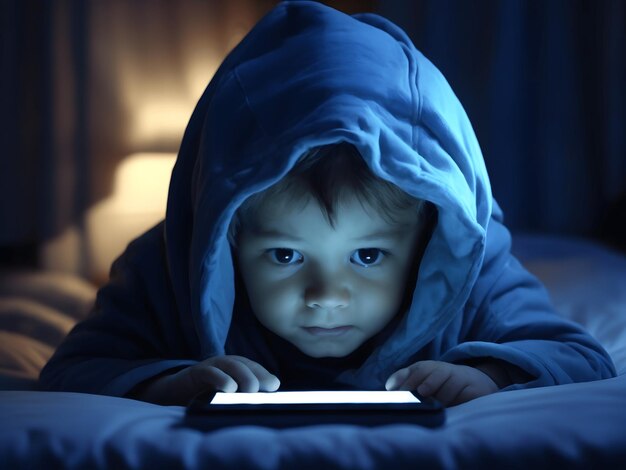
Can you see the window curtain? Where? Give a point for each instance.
(40, 64)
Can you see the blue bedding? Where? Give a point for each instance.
(576, 425)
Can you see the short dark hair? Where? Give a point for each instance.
(329, 173)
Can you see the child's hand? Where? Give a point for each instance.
(220, 373)
(451, 384)
(229, 374)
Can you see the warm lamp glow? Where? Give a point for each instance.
(157, 107)
(137, 203)
(141, 184)
(159, 119)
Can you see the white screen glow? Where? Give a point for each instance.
(313, 397)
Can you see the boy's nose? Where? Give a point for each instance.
(327, 297)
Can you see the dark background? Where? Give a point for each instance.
(543, 82)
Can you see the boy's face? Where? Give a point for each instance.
(326, 290)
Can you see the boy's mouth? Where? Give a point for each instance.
(335, 331)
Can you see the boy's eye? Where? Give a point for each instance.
(285, 256)
(367, 257)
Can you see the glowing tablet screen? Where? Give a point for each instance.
(314, 397)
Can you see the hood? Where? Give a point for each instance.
(308, 75)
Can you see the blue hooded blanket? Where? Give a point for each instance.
(305, 76)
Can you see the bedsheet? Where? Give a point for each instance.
(578, 425)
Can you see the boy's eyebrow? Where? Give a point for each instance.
(395, 232)
(273, 233)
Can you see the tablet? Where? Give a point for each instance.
(211, 410)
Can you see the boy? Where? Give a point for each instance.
(329, 224)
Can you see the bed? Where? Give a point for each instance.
(578, 425)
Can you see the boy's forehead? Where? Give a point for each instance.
(293, 217)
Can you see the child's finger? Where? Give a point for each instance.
(210, 377)
(240, 372)
(267, 382)
(434, 381)
(396, 379)
(450, 390)
(418, 372)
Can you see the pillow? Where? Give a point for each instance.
(34, 320)
(22, 357)
(64, 292)
(586, 282)
(37, 310)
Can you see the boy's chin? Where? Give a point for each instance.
(326, 352)
(323, 355)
